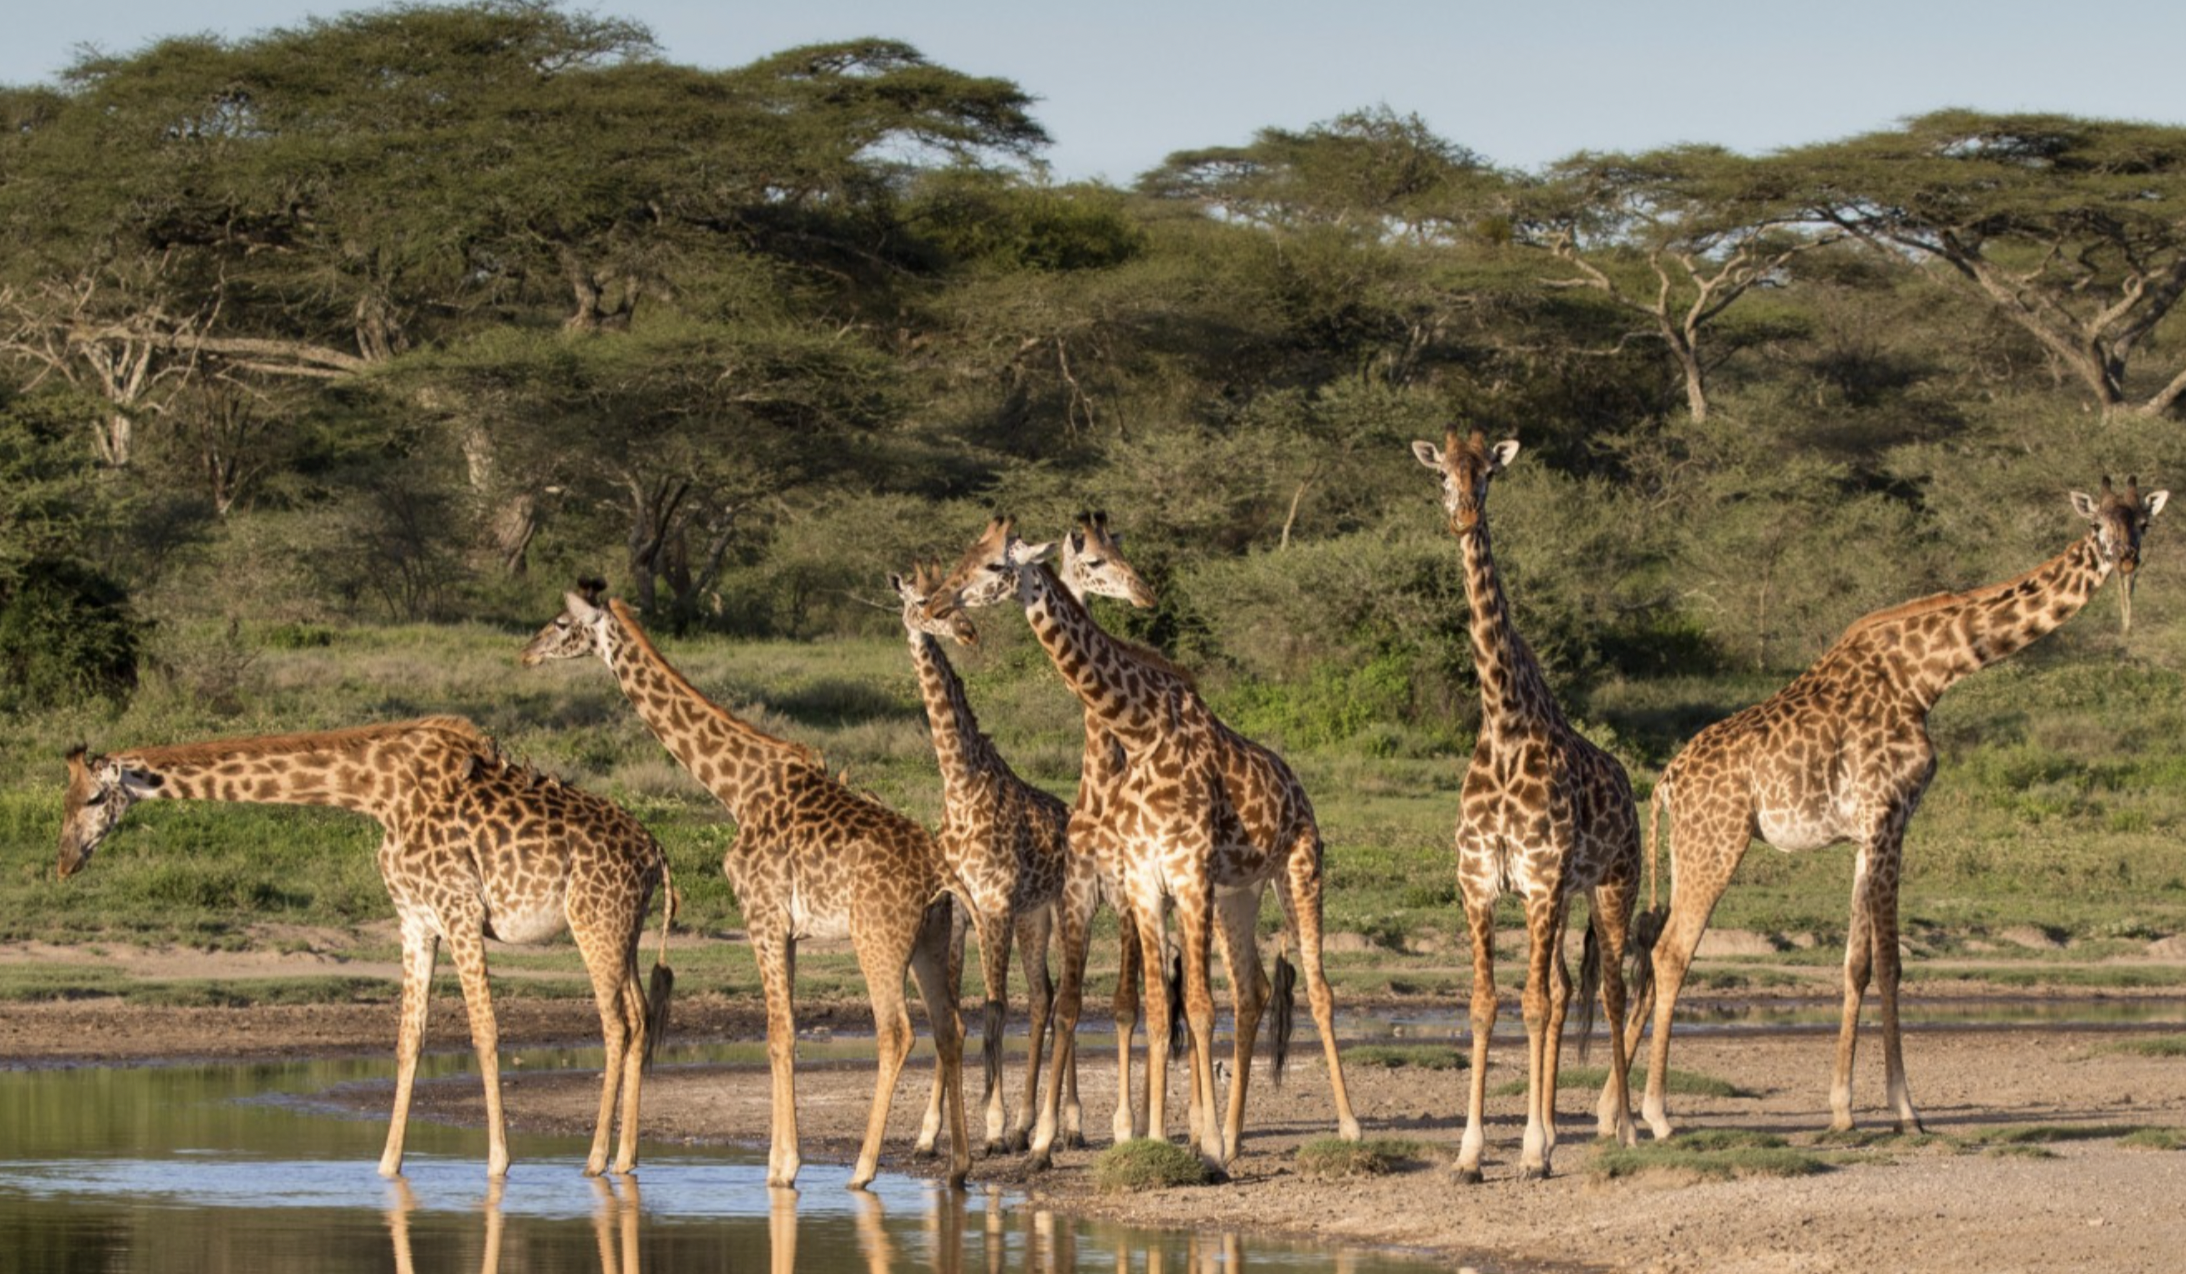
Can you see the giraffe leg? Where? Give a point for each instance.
(1239, 913)
(1033, 929)
(1547, 996)
(929, 1128)
(467, 949)
(776, 956)
(884, 971)
(1610, 914)
(995, 933)
(1859, 959)
(1480, 919)
(1701, 866)
(930, 965)
(1883, 898)
(1131, 965)
(613, 968)
(1195, 934)
(1302, 907)
(1076, 918)
(419, 946)
(1147, 912)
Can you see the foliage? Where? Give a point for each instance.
(1333, 1159)
(1708, 1155)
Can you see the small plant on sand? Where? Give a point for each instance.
(2153, 1046)
(1433, 1057)
(1147, 1163)
(1333, 1158)
(1709, 1155)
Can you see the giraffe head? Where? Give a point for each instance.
(100, 790)
(1093, 564)
(988, 571)
(2117, 521)
(921, 584)
(1466, 465)
(581, 629)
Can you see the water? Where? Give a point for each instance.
(245, 1168)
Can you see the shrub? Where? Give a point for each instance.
(1147, 1163)
(1333, 1158)
(66, 634)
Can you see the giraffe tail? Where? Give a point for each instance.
(1647, 925)
(660, 988)
(990, 1030)
(1285, 1012)
(1590, 985)
(1180, 1038)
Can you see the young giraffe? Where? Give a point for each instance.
(811, 859)
(1005, 843)
(1543, 813)
(475, 847)
(1842, 754)
(1201, 817)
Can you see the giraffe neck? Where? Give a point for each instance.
(1934, 642)
(733, 759)
(963, 751)
(1123, 694)
(377, 771)
(1512, 695)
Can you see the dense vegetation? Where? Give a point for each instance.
(411, 315)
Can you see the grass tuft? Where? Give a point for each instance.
(1147, 1163)
(2155, 1139)
(2154, 1046)
(1708, 1155)
(1333, 1158)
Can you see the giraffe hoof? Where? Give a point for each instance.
(1073, 1140)
(1039, 1162)
(1467, 1176)
(1531, 1172)
(924, 1152)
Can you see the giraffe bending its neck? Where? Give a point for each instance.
(1543, 813)
(1201, 818)
(475, 847)
(811, 859)
(1842, 754)
(1006, 846)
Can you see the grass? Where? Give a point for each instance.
(1708, 1155)
(2154, 1046)
(1147, 1163)
(2154, 1139)
(1333, 1158)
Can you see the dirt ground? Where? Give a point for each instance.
(2085, 1204)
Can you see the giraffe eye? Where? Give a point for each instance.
(97, 798)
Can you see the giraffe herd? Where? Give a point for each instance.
(1175, 812)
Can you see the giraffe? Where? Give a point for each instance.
(811, 859)
(1842, 754)
(1005, 844)
(1201, 817)
(1544, 814)
(475, 846)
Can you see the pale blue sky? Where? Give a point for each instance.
(1124, 82)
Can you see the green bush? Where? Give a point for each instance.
(66, 634)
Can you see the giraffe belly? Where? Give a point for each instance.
(807, 921)
(1797, 829)
(526, 924)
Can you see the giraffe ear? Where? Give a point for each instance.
(2084, 505)
(581, 608)
(140, 783)
(895, 583)
(2154, 501)
(1029, 553)
(1428, 454)
(1504, 452)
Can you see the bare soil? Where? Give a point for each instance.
(2088, 1204)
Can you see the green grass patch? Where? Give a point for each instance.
(1709, 1155)
(2154, 1046)
(1147, 1163)
(1687, 1083)
(1433, 1057)
(2042, 1134)
(1333, 1158)
(2154, 1139)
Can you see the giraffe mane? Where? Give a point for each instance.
(628, 619)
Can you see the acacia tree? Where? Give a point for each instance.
(2073, 229)
(1676, 236)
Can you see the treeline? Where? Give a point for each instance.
(418, 312)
